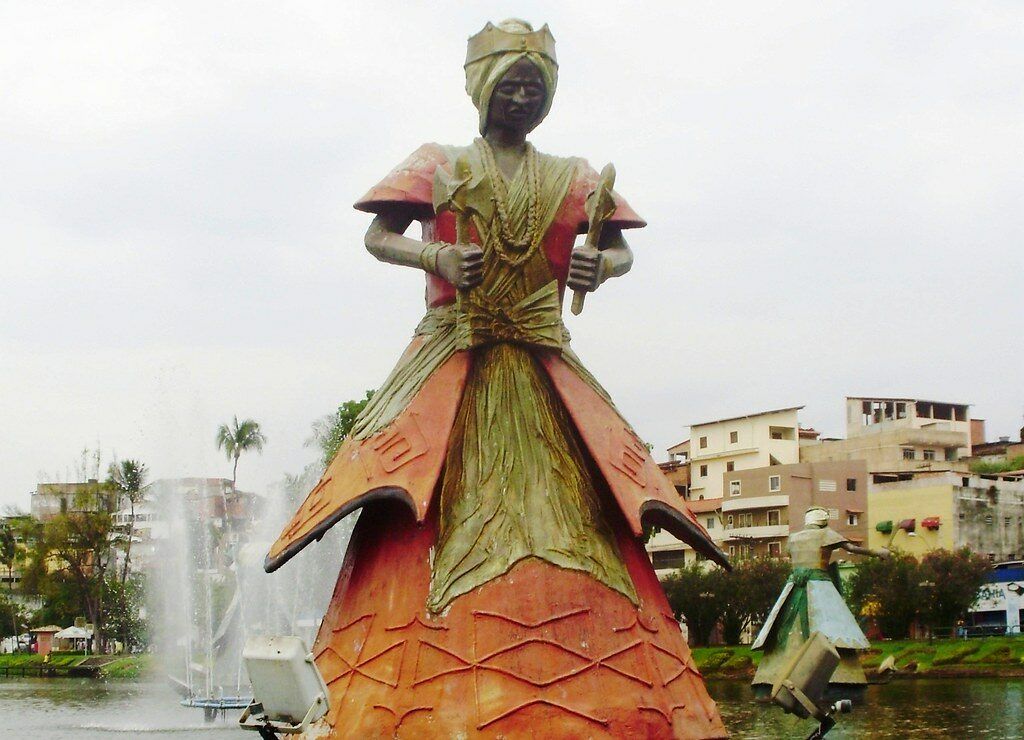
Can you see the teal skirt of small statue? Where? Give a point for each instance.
(809, 602)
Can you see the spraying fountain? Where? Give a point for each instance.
(209, 591)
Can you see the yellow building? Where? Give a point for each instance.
(920, 512)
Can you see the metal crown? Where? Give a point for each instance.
(494, 40)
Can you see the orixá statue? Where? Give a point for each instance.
(811, 601)
(496, 583)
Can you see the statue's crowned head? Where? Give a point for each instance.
(816, 517)
(495, 50)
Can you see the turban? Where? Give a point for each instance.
(484, 74)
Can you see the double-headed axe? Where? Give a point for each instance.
(600, 206)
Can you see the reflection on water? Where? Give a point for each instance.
(988, 708)
(84, 709)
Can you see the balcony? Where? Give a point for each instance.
(770, 531)
(742, 503)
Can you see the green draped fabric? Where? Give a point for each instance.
(796, 604)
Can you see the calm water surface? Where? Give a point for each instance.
(989, 709)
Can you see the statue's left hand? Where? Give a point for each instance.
(587, 269)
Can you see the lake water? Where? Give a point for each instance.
(83, 709)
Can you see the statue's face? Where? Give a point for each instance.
(517, 100)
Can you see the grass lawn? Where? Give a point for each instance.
(952, 657)
(118, 667)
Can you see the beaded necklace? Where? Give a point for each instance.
(525, 247)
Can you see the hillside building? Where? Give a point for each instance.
(740, 443)
(899, 435)
(923, 511)
(763, 506)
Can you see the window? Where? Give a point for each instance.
(773, 517)
(908, 454)
(745, 520)
(774, 549)
(851, 484)
(710, 522)
(827, 486)
(730, 466)
(988, 519)
(951, 454)
(63, 505)
(668, 559)
(962, 516)
(833, 514)
(776, 434)
(774, 483)
(703, 442)
(734, 488)
(703, 471)
(734, 437)
(991, 557)
(929, 454)
(852, 519)
(732, 551)
(1007, 521)
(728, 522)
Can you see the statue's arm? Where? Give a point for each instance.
(858, 550)
(589, 268)
(459, 264)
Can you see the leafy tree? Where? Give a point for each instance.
(8, 556)
(236, 438)
(692, 596)
(123, 610)
(748, 593)
(79, 544)
(12, 621)
(951, 582)
(128, 479)
(889, 590)
(331, 430)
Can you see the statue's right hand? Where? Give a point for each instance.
(462, 265)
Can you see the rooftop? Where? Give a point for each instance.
(747, 416)
(909, 400)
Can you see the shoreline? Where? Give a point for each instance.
(987, 657)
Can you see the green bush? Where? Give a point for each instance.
(714, 661)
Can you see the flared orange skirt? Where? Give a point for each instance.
(540, 652)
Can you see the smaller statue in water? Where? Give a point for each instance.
(811, 601)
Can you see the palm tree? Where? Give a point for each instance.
(238, 438)
(128, 479)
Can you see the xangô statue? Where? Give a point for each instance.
(812, 601)
(496, 583)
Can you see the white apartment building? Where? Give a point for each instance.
(740, 443)
(716, 449)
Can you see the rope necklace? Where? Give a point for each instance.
(525, 247)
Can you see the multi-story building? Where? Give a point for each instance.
(763, 506)
(899, 434)
(50, 500)
(698, 466)
(922, 511)
(667, 553)
(740, 443)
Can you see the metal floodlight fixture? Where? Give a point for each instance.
(288, 691)
(800, 688)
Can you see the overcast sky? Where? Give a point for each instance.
(834, 192)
